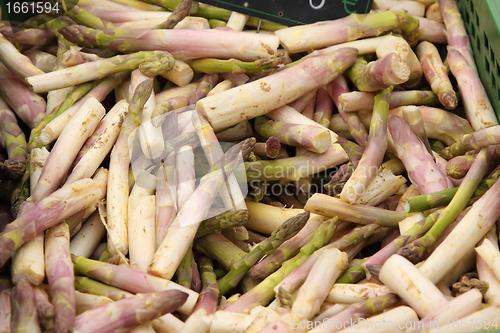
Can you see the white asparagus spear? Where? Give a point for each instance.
(483, 320)
(141, 227)
(150, 137)
(392, 321)
(261, 96)
(403, 278)
(193, 22)
(56, 97)
(29, 262)
(347, 293)
(491, 256)
(167, 323)
(230, 322)
(464, 237)
(122, 91)
(220, 87)
(86, 240)
(181, 73)
(89, 162)
(239, 132)
(458, 307)
(237, 21)
(181, 233)
(69, 143)
(86, 301)
(323, 274)
(186, 179)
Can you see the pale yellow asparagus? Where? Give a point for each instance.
(403, 278)
(85, 302)
(347, 293)
(88, 237)
(180, 74)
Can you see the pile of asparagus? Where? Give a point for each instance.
(169, 166)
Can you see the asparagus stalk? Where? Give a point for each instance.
(140, 223)
(415, 251)
(352, 27)
(44, 307)
(17, 63)
(294, 168)
(457, 167)
(61, 276)
(5, 305)
(370, 162)
(88, 237)
(49, 211)
(24, 317)
(173, 248)
(262, 293)
(287, 230)
(35, 36)
(71, 140)
(130, 312)
(357, 311)
(413, 116)
(149, 62)
(270, 148)
(478, 108)
(223, 221)
(351, 293)
(436, 74)
(477, 221)
(312, 138)
(219, 248)
(335, 89)
(328, 206)
(431, 31)
(321, 70)
(380, 74)
(86, 285)
(53, 127)
(12, 139)
(478, 139)
(28, 106)
(215, 66)
(330, 264)
(422, 170)
(290, 248)
(181, 43)
(423, 296)
(165, 207)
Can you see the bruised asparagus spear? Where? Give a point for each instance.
(370, 162)
(149, 62)
(181, 43)
(301, 78)
(12, 139)
(287, 230)
(436, 74)
(130, 312)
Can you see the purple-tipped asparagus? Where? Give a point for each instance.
(129, 312)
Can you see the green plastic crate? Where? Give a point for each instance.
(482, 20)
